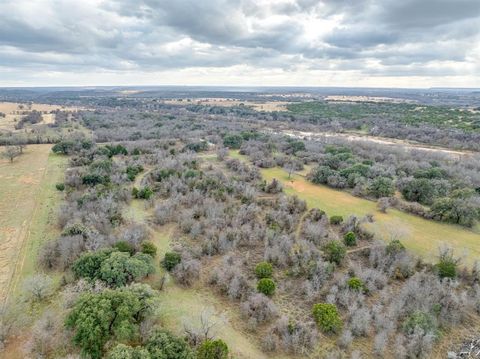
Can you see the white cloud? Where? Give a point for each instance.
(248, 42)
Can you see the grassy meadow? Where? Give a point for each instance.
(28, 211)
(420, 235)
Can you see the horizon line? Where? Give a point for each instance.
(237, 86)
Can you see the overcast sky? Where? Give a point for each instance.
(389, 43)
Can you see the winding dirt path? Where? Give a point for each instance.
(379, 140)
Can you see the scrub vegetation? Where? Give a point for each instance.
(191, 231)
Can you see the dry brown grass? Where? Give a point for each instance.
(14, 111)
(26, 185)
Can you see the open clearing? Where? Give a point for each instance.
(28, 202)
(378, 99)
(418, 234)
(14, 112)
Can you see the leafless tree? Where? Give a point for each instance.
(206, 326)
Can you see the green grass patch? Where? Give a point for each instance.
(44, 222)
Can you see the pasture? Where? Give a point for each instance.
(28, 204)
(15, 111)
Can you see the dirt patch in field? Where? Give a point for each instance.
(29, 180)
(376, 99)
(13, 108)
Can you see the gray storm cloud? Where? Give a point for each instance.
(424, 37)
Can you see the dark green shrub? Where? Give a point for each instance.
(394, 247)
(336, 219)
(97, 318)
(212, 349)
(316, 214)
(69, 146)
(63, 147)
(122, 351)
(197, 146)
(164, 345)
(356, 283)
(233, 141)
(60, 186)
(124, 246)
(171, 260)
(266, 286)
(263, 270)
(113, 150)
(190, 174)
(381, 187)
(350, 239)
(335, 251)
(89, 263)
(250, 135)
(447, 269)
(431, 173)
(133, 171)
(447, 264)
(101, 166)
(76, 229)
(92, 179)
(455, 210)
(120, 269)
(420, 190)
(296, 146)
(421, 320)
(113, 267)
(149, 248)
(164, 173)
(327, 317)
(144, 193)
(320, 174)
(135, 192)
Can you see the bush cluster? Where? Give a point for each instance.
(327, 317)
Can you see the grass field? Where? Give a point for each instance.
(28, 202)
(14, 113)
(418, 234)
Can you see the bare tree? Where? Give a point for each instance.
(206, 327)
(289, 166)
(383, 204)
(37, 287)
